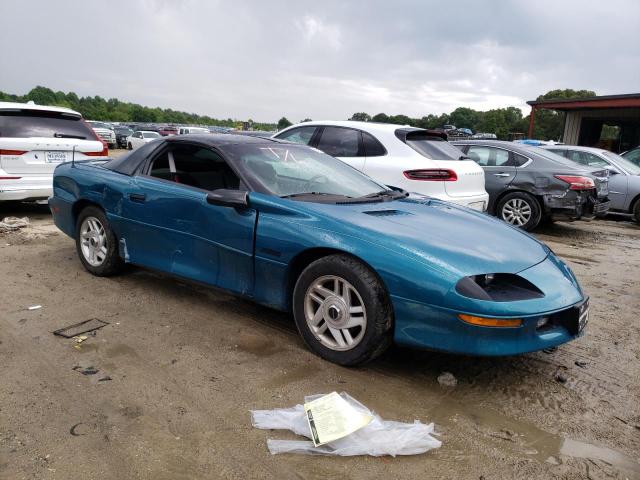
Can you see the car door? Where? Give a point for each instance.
(343, 143)
(174, 229)
(499, 167)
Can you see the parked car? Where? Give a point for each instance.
(633, 155)
(527, 184)
(105, 132)
(359, 265)
(122, 133)
(168, 130)
(217, 129)
(140, 137)
(190, 130)
(413, 159)
(33, 140)
(624, 182)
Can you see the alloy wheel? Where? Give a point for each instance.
(335, 313)
(93, 241)
(517, 212)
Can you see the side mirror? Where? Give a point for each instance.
(223, 197)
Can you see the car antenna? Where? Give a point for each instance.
(73, 157)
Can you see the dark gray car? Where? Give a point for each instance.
(624, 183)
(527, 184)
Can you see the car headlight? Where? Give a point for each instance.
(498, 287)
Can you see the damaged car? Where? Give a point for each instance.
(359, 265)
(528, 185)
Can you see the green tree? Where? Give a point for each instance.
(361, 117)
(380, 117)
(463, 117)
(549, 124)
(283, 123)
(400, 120)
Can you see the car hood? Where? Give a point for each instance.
(455, 240)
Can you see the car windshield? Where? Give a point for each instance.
(298, 170)
(100, 125)
(124, 131)
(150, 134)
(432, 147)
(625, 164)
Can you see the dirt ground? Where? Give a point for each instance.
(185, 364)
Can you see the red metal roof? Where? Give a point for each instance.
(604, 101)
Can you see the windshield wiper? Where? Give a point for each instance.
(464, 157)
(303, 194)
(387, 193)
(67, 135)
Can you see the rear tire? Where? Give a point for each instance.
(96, 244)
(520, 209)
(636, 211)
(342, 311)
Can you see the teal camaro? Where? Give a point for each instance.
(358, 264)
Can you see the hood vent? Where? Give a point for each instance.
(386, 213)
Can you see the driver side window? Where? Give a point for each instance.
(194, 166)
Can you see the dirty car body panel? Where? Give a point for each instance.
(419, 247)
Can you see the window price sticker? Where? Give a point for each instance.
(331, 417)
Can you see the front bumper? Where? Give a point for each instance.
(433, 327)
(444, 331)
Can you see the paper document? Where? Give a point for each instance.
(330, 417)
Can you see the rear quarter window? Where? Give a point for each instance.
(372, 147)
(35, 123)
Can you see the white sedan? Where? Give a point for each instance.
(139, 138)
(414, 159)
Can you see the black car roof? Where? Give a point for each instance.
(128, 164)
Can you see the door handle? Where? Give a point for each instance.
(501, 175)
(137, 197)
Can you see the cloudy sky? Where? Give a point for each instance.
(319, 59)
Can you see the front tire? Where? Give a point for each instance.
(342, 311)
(129, 146)
(636, 211)
(96, 243)
(520, 209)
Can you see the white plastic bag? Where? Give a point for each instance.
(9, 224)
(380, 437)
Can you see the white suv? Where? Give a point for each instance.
(105, 132)
(33, 140)
(413, 159)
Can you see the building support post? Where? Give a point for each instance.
(532, 117)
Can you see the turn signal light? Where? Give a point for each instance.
(577, 183)
(490, 322)
(12, 152)
(432, 174)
